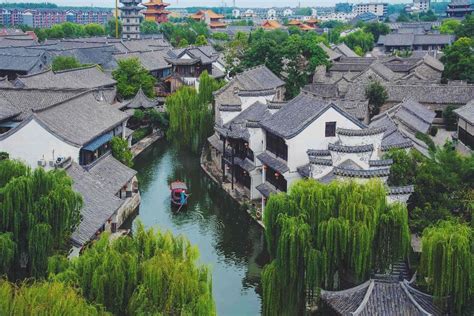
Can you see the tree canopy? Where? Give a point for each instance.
(72, 30)
(377, 96)
(44, 298)
(360, 39)
(458, 60)
(131, 76)
(376, 29)
(191, 117)
(64, 63)
(187, 32)
(447, 262)
(318, 235)
(148, 274)
(38, 210)
(120, 151)
(149, 27)
(449, 26)
(443, 182)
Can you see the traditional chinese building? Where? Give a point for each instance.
(459, 8)
(210, 18)
(130, 19)
(155, 11)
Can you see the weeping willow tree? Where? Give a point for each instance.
(43, 298)
(191, 114)
(319, 234)
(38, 211)
(447, 262)
(148, 274)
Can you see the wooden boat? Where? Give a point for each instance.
(178, 188)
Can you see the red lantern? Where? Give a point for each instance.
(276, 175)
(264, 167)
(246, 145)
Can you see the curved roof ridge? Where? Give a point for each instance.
(366, 298)
(361, 132)
(80, 94)
(412, 299)
(350, 290)
(75, 69)
(351, 149)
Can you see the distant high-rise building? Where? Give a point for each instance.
(377, 8)
(130, 19)
(421, 5)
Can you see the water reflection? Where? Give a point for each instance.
(227, 238)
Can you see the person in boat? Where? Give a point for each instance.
(183, 197)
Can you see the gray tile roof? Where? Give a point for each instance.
(304, 171)
(81, 78)
(331, 54)
(215, 142)
(258, 79)
(112, 173)
(80, 119)
(361, 132)
(318, 152)
(379, 297)
(345, 50)
(323, 90)
(26, 100)
(381, 162)
(266, 189)
(245, 164)
(140, 101)
(351, 149)
(422, 93)
(205, 54)
(146, 44)
(152, 61)
(17, 41)
(392, 137)
(397, 39)
(24, 61)
(299, 113)
(99, 203)
(273, 162)
(7, 110)
(401, 190)
(466, 112)
(320, 161)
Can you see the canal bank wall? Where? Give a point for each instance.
(146, 142)
(237, 195)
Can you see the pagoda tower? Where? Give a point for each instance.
(129, 14)
(155, 11)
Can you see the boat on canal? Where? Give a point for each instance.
(179, 194)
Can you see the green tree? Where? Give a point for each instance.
(450, 118)
(221, 36)
(150, 273)
(149, 27)
(65, 62)
(39, 211)
(94, 29)
(201, 40)
(377, 96)
(131, 76)
(360, 38)
(317, 234)
(458, 60)
(466, 28)
(110, 28)
(376, 29)
(44, 298)
(191, 118)
(447, 262)
(183, 43)
(56, 31)
(449, 26)
(404, 168)
(121, 152)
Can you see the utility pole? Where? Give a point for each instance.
(116, 20)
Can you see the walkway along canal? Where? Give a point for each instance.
(228, 239)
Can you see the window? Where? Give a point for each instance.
(330, 129)
(277, 146)
(439, 113)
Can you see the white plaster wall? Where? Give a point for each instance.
(375, 140)
(256, 179)
(319, 171)
(402, 198)
(360, 180)
(32, 143)
(361, 159)
(256, 142)
(313, 137)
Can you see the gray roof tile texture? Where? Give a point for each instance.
(298, 113)
(80, 119)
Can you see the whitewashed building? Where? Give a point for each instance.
(271, 14)
(236, 13)
(377, 8)
(287, 12)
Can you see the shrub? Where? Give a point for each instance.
(426, 139)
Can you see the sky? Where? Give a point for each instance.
(214, 3)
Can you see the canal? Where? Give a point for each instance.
(228, 240)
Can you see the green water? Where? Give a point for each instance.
(228, 240)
